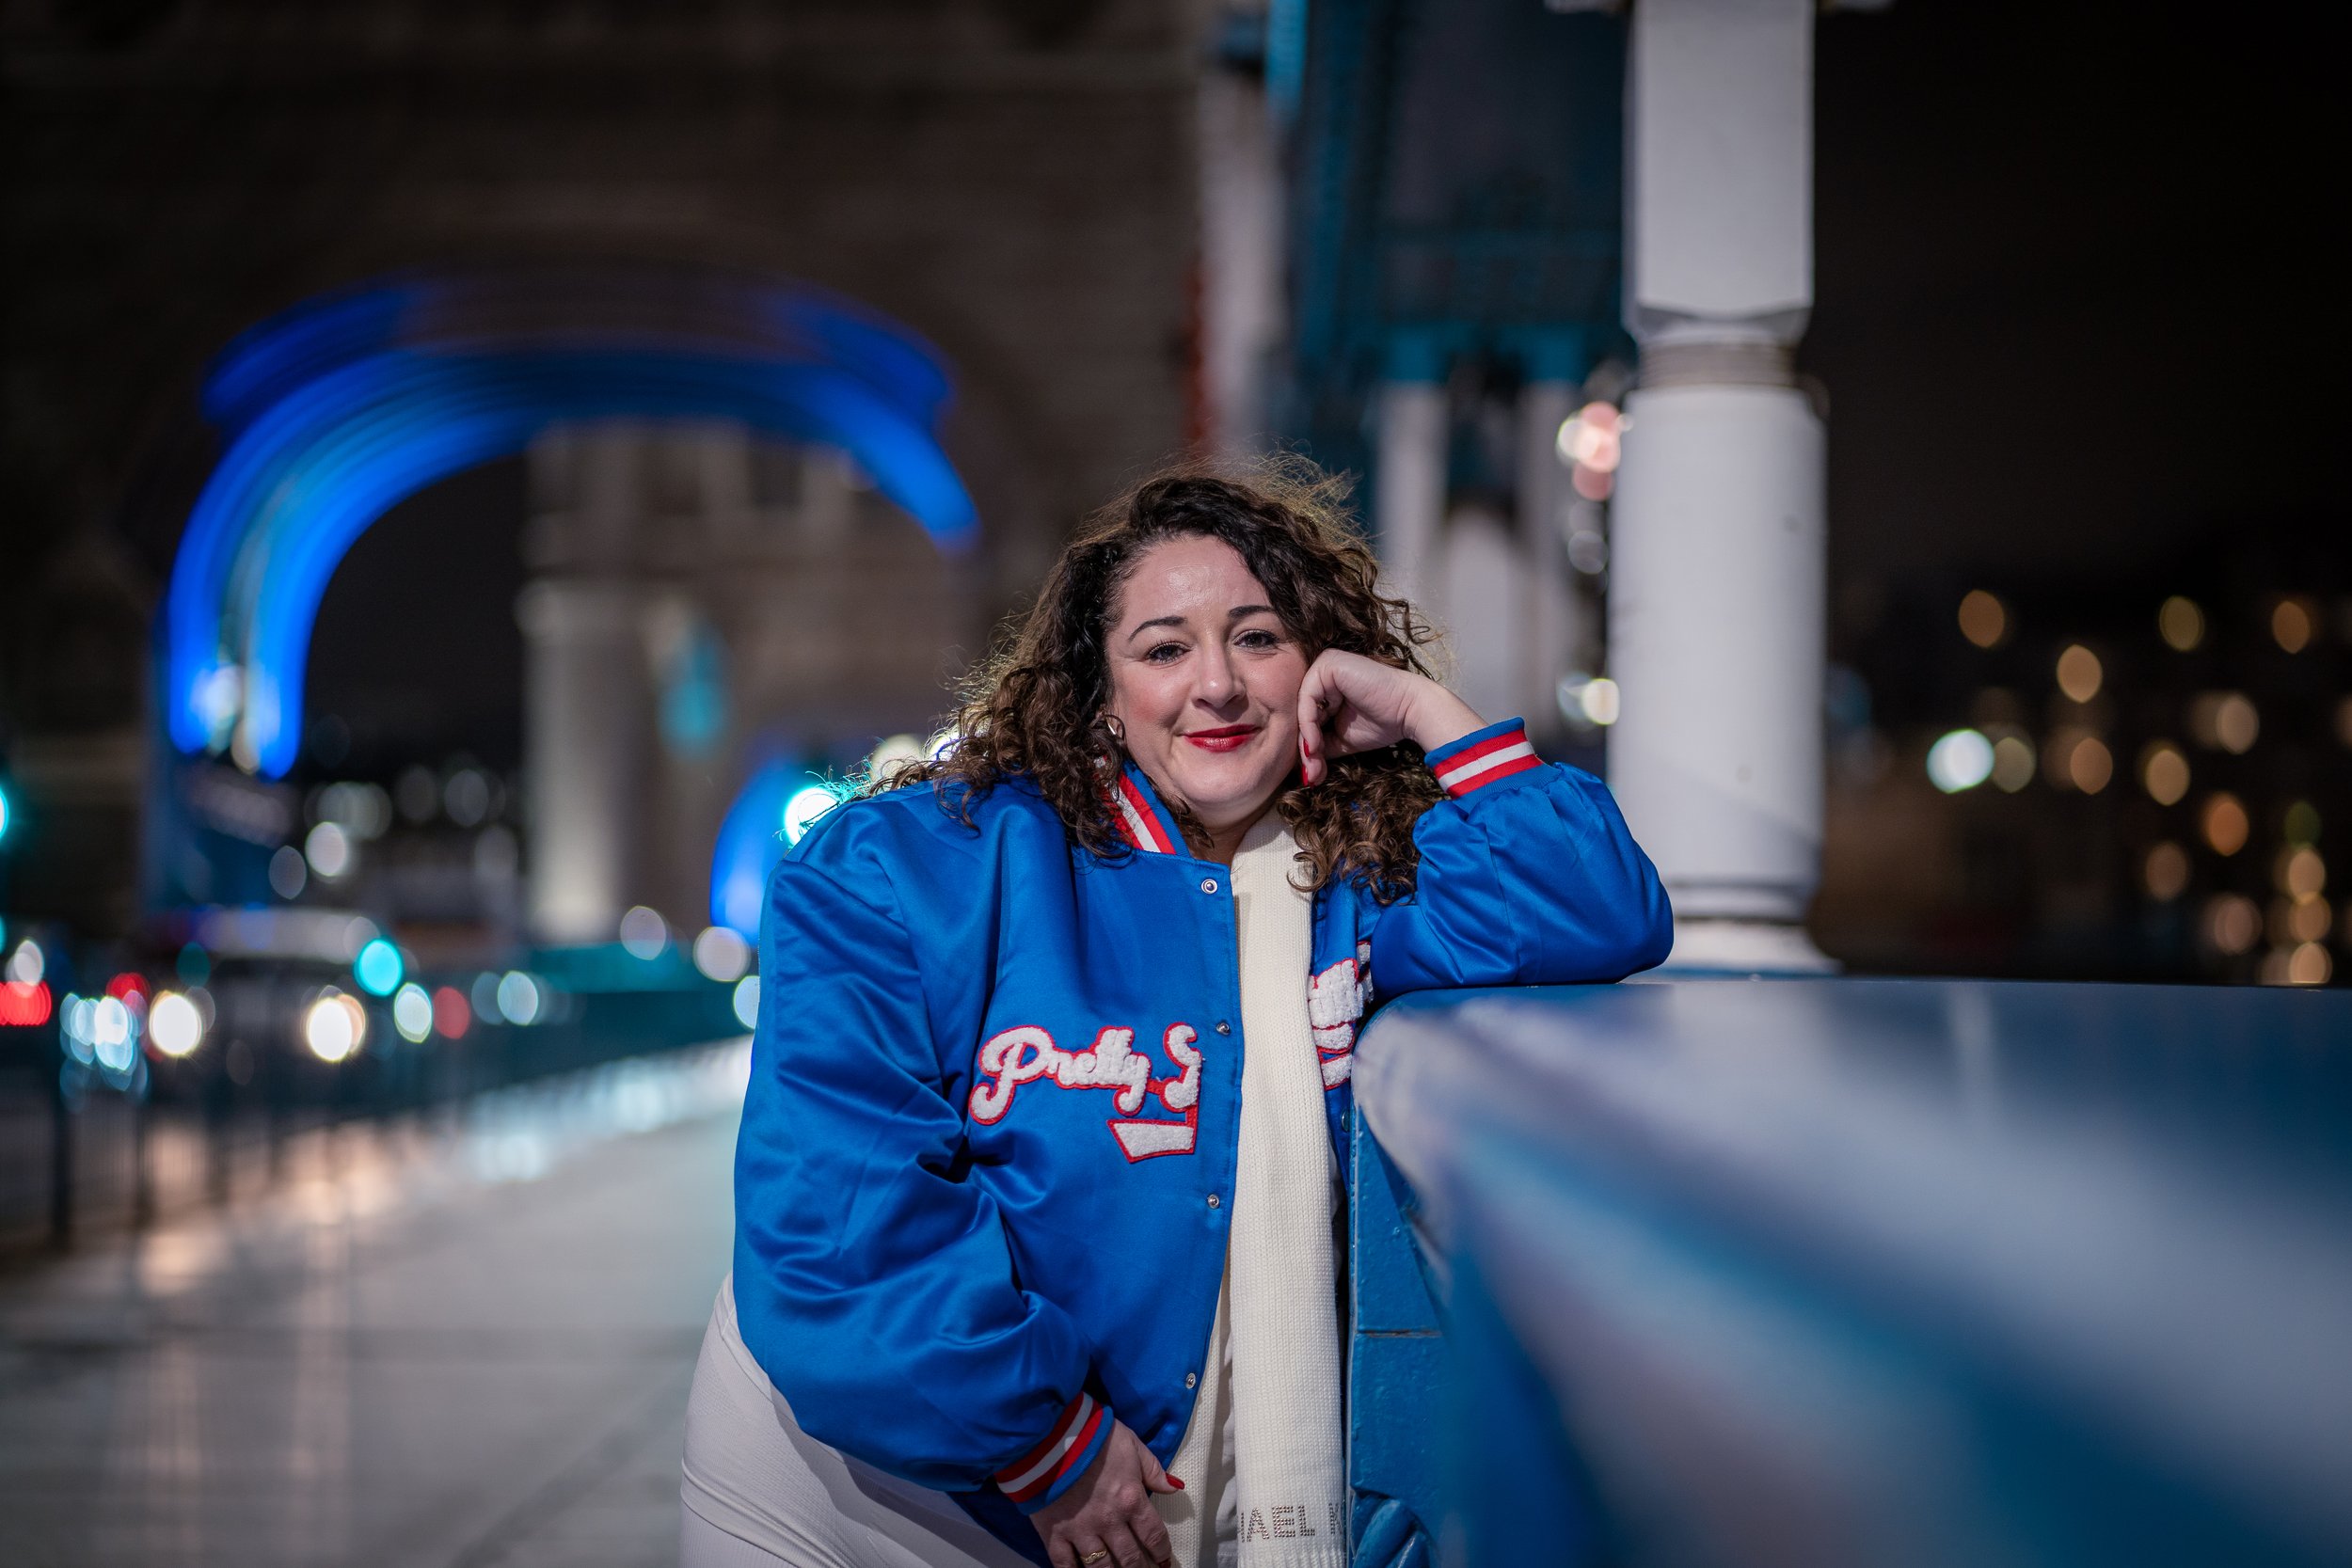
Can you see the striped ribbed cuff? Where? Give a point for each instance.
(1482, 756)
(1045, 1472)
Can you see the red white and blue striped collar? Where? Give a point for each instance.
(1479, 758)
(1142, 820)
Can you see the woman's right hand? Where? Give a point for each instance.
(1108, 1508)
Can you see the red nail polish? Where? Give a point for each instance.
(1177, 1481)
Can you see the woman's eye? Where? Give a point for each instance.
(1164, 653)
(1259, 639)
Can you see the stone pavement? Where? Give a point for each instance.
(463, 1346)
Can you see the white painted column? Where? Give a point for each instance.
(1408, 504)
(1482, 594)
(585, 750)
(1717, 560)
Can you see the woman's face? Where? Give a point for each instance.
(1204, 680)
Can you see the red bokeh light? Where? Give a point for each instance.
(452, 1017)
(26, 1007)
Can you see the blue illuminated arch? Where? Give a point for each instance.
(339, 409)
(762, 824)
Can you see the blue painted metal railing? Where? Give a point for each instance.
(1854, 1272)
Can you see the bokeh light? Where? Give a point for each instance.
(24, 1006)
(1961, 760)
(519, 999)
(452, 1016)
(2302, 824)
(1983, 619)
(643, 933)
(27, 965)
(747, 1002)
(2164, 773)
(379, 968)
(364, 810)
(2079, 673)
(2165, 872)
(2090, 765)
(2181, 624)
(1599, 700)
(721, 954)
(2292, 625)
(483, 997)
(174, 1026)
(2304, 918)
(412, 1014)
(2300, 873)
(288, 874)
(328, 850)
(1592, 437)
(2012, 763)
(2225, 722)
(804, 807)
(113, 1032)
(890, 753)
(2076, 758)
(2231, 924)
(2224, 823)
(334, 1026)
(1590, 441)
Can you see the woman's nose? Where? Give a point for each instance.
(1219, 680)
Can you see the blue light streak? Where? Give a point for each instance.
(341, 408)
(751, 842)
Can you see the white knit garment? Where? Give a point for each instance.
(1278, 1310)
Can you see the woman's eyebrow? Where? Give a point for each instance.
(1234, 614)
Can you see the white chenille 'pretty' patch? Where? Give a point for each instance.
(1025, 1054)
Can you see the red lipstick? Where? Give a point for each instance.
(1232, 737)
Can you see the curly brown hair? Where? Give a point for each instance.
(1033, 708)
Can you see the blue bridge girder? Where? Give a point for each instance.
(1841, 1271)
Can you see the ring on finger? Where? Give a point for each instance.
(1095, 1555)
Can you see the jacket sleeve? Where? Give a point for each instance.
(1528, 877)
(873, 1284)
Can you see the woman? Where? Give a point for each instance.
(1039, 1160)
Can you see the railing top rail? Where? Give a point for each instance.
(1880, 1240)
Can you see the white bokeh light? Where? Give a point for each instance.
(175, 1024)
(1961, 760)
(721, 954)
(643, 933)
(412, 1013)
(806, 806)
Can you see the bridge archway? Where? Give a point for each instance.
(336, 410)
(339, 408)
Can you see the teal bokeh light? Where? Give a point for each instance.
(379, 968)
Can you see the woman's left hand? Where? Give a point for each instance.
(1348, 704)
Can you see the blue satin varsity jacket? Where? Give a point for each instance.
(981, 1183)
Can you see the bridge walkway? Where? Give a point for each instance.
(463, 1344)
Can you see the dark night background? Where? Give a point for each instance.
(2077, 324)
(2077, 303)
